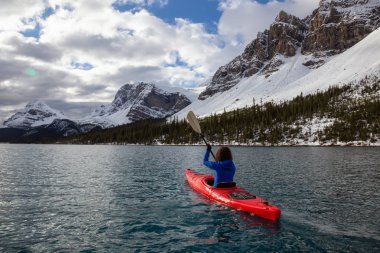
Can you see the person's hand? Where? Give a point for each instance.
(208, 147)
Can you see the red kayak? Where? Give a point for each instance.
(231, 195)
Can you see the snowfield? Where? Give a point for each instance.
(293, 78)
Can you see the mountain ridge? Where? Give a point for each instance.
(132, 102)
(331, 29)
(34, 114)
(135, 102)
(293, 78)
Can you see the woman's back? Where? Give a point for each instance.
(224, 167)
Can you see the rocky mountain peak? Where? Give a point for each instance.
(337, 25)
(128, 93)
(286, 35)
(35, 113)
(284, 17)
(332, 28)
(139, 101)
(38, 104)
(283, 37)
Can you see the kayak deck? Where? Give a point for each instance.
(235, 197)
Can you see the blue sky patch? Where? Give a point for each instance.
(35, 32)
(47, 12)
(205, 12)
(178, 61)
(82, 66)
(197, 11)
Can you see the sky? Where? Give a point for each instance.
(76, 54)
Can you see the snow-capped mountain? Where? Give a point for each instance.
(262, 55)
(38, 121)
(337, 44)
(135, 102)
(132, 102)
(34, 114)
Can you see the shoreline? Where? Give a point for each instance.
(361, 145)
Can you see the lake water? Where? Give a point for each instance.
(70, 198)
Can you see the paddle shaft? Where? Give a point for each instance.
(194, 123)
(212, 153)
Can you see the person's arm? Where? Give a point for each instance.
(211, 165)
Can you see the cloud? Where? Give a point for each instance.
(45, 52)
(84, 51)
(20, 14)
(144, 2)
(73, 110)
(135, 40)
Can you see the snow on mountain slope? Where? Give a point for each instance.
(293, 77)
(352, 65)
(34, 114)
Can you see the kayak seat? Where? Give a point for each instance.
(221, 184)
(226, 185)
(210, 182)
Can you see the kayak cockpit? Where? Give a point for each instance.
(210, 182)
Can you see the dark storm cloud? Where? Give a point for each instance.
(87, 43)
(49, 85)
(73, 110)
(91, 89)
(10, 69)
(42, 51)
(10, 96)
(17, 88)
(45, 52)
(15, 72)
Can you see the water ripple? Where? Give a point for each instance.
(66, 198)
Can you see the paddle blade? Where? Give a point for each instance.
(193, 121)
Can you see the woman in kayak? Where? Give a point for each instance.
(224, 166)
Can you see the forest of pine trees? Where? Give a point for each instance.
(352, 113)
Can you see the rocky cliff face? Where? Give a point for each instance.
(339, 24)
(140, 101)
(283, 37)
(335, 26)
(147, 101)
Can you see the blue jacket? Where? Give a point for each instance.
(224, 170)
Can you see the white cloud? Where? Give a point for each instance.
(119, 46)
(19, 14)
(144, 2)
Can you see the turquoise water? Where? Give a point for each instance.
(67, 198)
